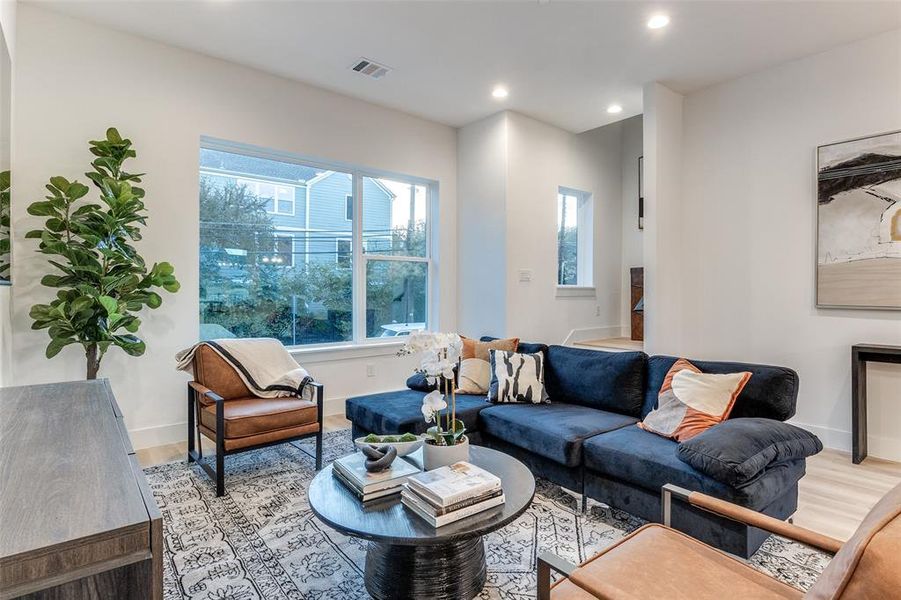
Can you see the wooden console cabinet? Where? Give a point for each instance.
(77, 519)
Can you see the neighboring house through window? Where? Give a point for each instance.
(260, 208)
(281, 197)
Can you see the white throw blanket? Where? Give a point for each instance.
(263, 364)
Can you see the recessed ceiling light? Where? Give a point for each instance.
(614, 109)
(658, 21)
(499, 91)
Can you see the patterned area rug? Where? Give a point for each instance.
(261, 540)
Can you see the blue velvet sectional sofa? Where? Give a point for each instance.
(587, 439)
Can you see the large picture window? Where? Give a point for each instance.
(310, 254)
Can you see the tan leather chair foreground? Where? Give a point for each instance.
(223, 409)
(656, 561)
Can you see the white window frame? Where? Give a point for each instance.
(282, 235)
(254, 186)
(584, 285)
(338, 252)
(359, 344)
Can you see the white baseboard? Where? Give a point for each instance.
(835, 439)
(161, 435)
(878, 446)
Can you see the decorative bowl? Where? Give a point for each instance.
(403, 448)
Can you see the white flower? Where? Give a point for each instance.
(439, 353)
(432, 404)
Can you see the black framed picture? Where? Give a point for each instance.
(641, 192)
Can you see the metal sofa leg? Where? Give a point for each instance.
(584, 497)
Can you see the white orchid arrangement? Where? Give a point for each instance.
(439, 354)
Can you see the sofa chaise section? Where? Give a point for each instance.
(401, 412)
(627, 467)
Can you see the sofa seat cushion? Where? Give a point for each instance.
(401, 412)
(641, 458)
(611, 381)
(659, 562)
(252, 416)
(554, 431)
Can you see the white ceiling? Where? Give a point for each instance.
(563, 62)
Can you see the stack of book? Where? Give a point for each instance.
(452, 493)
(367, 486)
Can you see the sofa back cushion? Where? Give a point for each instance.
(522, 347)
(770, 393)
(612, 381)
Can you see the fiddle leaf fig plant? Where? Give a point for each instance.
(102, 281)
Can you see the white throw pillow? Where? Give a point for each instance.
(474, 376)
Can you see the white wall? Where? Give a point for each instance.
(746, 234)
(481, 251)
(633, 237)
(541, 159)
(165, 99)
(662, 247)
(510, 168)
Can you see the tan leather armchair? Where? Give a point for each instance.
(656, 561)
(223, 409)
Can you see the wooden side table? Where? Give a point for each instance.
(861, 354)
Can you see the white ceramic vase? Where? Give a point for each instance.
(440, 456)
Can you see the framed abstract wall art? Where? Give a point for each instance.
(859, 223)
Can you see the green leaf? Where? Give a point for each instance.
(154, 300)
(112, 135)
(51, 280)
(77, 190)
(60, 183)
(110, 304)
(42, 209)
(57, 344)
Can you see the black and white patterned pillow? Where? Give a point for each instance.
(517, 377)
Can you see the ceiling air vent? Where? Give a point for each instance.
(366, 67)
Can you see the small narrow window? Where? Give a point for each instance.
(349, 207)
(575, 230)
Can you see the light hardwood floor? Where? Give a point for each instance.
(834, 496)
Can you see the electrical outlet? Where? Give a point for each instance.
(597, 310)
(525, 275)
(370, 370)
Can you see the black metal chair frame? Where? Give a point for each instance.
(195, 443)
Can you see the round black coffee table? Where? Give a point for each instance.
(407, 557)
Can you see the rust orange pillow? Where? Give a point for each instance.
(481, 350)
(691, 402)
